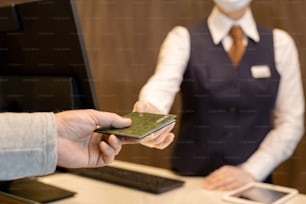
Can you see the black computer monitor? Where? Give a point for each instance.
(43, 62)
(43, 67)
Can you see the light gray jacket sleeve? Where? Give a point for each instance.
(27, 144)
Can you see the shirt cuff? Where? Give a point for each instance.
(259, 166)
(27, 144)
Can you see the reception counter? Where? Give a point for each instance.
(91, 191)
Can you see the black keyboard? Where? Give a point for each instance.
(133, 179)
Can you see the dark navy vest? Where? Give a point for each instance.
(226, 112)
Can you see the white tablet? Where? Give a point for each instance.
(260, 193)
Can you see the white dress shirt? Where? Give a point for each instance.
(281, 141)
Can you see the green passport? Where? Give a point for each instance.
(143, 124)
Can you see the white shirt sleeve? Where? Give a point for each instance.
(288, 129)
(161, 88)
(27, 144)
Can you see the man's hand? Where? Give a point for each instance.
(161, 138)
(78, 146)
(227, 178)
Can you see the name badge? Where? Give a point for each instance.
(261, 71)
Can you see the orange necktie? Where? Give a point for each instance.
(237, 49)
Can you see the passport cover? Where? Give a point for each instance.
(143, 124)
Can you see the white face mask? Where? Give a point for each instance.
(230, 6)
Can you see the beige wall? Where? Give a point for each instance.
(123, 37)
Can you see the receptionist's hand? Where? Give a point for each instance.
(227, 178)
(161, 138)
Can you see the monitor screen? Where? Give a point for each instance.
(43, 61)
(43, 64)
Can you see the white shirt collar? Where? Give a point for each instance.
(219, 25)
